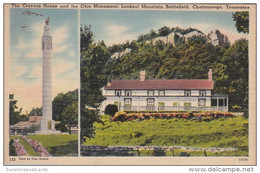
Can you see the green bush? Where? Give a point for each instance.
(159, 152)
(12, 151)
(111, 109)
(236, 108)
(135, 134)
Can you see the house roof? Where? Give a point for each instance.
(22, 125)
(35, 118)
(171, 84)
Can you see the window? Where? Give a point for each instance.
(150, 92)
(128, 92)
(161, 104)
(187, 93)
(202, 92)
(116, 103)
(202, 102)
(187, 104)
(175, 104)
(150, 102)
(117, 92)
(128, 102)
(161, 92)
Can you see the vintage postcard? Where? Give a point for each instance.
(130, 84)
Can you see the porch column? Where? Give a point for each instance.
(138, 106)
(227, 103)
(197, 103)
(157, 104)
(119, 104)
(217, 103)
(177, 103)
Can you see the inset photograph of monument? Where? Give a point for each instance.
(42, 82)
(164, 83)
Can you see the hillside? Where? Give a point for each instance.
(226, 132)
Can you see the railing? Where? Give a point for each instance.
(174, 108)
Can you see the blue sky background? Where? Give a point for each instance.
(117, 26)
(25, 62)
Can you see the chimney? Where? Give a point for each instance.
(210, 74)
(142, 75)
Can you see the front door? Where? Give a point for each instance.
(150, 104)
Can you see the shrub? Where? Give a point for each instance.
(159, 152)
(236, 108)
(184, 154)
(135, 134)
(12, 151)
(208, 116)
(111, 109)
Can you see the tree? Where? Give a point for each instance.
(236, 59)
(86, 36)
(242, 21)
(15, 114)
(164, 31)
(36, 111)
(70, 115)
(61, 101)
(152, 34)
(92, 78)
(111, 109)
(65, 110)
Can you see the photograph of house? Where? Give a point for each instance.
(164, 95)
(163, 83)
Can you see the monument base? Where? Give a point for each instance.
(47, 127)
(48, 132)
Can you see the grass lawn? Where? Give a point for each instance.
(58, 145)
(223, 132)
(28, 148)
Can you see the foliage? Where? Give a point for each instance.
(164, 31)
(70, 115)
(236, 60)
(236, 108)
(159, 152)
(61, 101)
(12, 151)
(206, 116)
(35, 111)
(14, 114)
(221, 132)
(242, 21)
(65, 110)
(92, 79)
(111, 109)
(87, 119)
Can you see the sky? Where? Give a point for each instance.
(118, 26)
(24, 64)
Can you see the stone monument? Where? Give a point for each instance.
(47, 125)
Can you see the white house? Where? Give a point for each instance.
(167, 95)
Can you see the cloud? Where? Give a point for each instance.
(62, 67)
(60, 35)
(116, 34)
(117, 29)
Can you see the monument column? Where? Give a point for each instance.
(47, 125)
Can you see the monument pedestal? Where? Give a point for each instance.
(47, 128)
